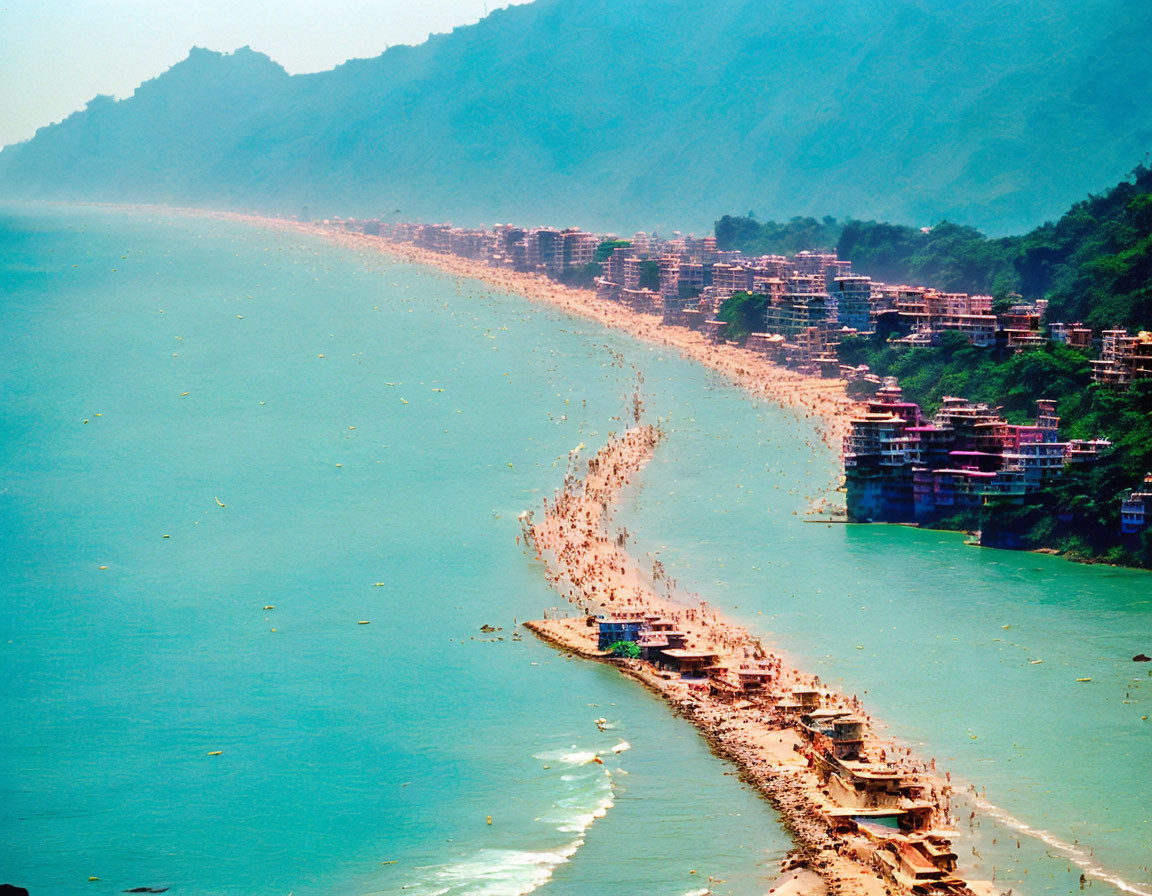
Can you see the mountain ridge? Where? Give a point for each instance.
(997, 115)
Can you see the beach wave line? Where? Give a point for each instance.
(519, 872)
(1071, 851)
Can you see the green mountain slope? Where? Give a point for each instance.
(995, 114)
(1094, 264)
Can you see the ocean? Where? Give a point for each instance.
(258, 511)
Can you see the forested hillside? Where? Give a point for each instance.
(1094, 264)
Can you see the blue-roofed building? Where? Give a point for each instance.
(613, 630)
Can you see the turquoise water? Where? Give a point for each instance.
(343, 746)
(970, 655)
(312, 414)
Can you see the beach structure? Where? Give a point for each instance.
(901, 469)
(686, 662)
(612, 629)
(868, 817)
(1136, 510)
(754, 679)
(813, 298)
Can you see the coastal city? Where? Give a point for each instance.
(763, 508)
(898, 466)
(867, 815)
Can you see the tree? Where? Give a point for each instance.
(628, 650)
(744, 313)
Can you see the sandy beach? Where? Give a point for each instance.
(586, 560)
(821, 400)
(812, 397)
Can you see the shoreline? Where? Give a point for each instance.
(288, 239)
(822, 401)
(774, 749)
(805, 394)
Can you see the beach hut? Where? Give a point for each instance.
(752, 678)
(652, 645)
(689, 663)
(847, 737)
(613, 630)
(808, 699)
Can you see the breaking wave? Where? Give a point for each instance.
(586, 793)
(1071, 851)
(568, 757)
(586, 798)
(498, 872)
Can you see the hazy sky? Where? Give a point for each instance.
(55, 55)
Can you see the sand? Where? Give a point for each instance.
(586, 560)
(588, 563)
(819, 399)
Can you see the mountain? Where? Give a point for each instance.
(996, 114)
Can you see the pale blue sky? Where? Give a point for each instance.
(55, 55)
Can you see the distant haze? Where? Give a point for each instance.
(56, 55)
(644, 115)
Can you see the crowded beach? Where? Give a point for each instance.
(866, 815)
(821, 400)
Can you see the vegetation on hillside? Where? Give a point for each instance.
(1014, 382)
(776, 238)
(1077, 515)
(947, 257)
(1094, 264)
(1080, 515)
(955, 367)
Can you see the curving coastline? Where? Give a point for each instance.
(821, 400)
(476, 290)
(833, 802)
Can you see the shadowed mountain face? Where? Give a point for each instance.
(998, 114)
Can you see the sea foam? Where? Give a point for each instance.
(1071, 851)
(586, 795)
